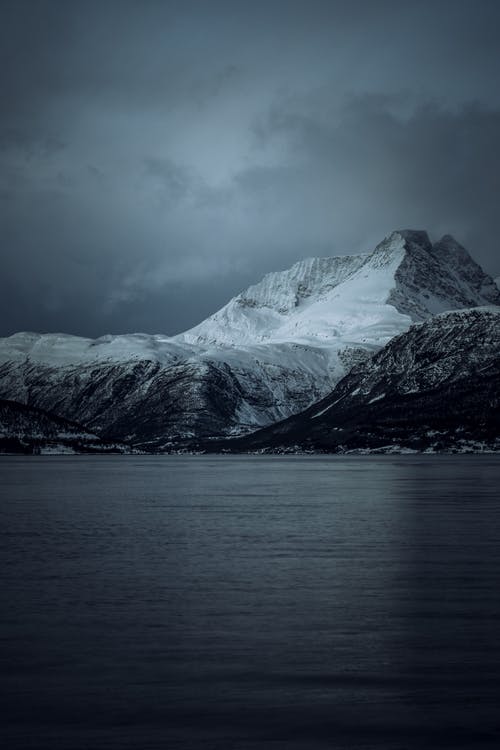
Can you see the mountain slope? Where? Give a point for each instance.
(270, 352)
(361, 297)
(149, 403)
(24, 429)
(436, 386)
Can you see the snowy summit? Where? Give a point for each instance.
(274, 349)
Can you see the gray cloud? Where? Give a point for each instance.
(369, 166)
(173, 182)
(156, 157)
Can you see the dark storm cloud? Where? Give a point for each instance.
(157, 156)
(371, 164)
(174, 181)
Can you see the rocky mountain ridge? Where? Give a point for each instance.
(319, 298)
(435, 387)
(269, 353)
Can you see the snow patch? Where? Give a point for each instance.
(377, 398)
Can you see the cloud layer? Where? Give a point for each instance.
(157, 157)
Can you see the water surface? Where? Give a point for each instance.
(235, 603)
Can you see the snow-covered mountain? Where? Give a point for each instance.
(270, 352)
(359, 298)
(435, 387)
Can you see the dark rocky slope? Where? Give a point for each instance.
(25, 429)
(436, 387)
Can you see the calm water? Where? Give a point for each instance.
(239, 603)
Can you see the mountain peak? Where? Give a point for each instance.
(433, 278)
(414, 237)
(397, 244)
(407, 238)
(352, 297)
(447, 248)
(448, 239)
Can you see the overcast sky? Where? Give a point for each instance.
(157, 157)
